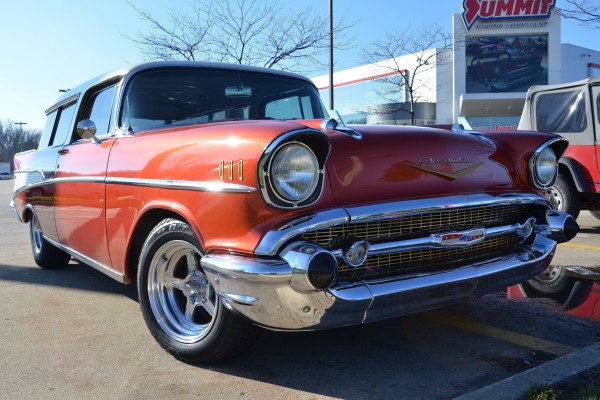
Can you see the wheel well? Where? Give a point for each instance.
(572, 170)
(141, 232)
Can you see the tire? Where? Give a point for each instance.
(565, 196)
(554, 283)
(180, 306)
(45, 254)
(596, 213)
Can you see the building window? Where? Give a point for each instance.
(356, 101)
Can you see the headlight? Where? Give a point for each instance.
(291, 170)
(294, 172)
(544, 168)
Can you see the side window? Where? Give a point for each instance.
(99, 109)
(65, 123)
(598, 107)
(561, 112)
(294, 107)
(46, 137)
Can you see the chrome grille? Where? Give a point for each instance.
(428, 260)
(422, 224)
(419, 225)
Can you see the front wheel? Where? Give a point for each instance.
(45, 254)
(180, 306)
(595, 213)
(565, 196)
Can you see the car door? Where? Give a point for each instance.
(80, 209)
(42, 165)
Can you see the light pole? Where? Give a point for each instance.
(331, 54)
(20, 134)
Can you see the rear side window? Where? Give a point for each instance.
(65, 122)
(561, 112)
(48, 130)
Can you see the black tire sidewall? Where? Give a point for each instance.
(571, 201)
(48, 256)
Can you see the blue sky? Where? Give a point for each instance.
(51, 45)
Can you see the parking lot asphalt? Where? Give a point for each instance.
(77, 334)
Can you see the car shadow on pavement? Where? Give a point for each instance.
(378, 360)
(76, 275)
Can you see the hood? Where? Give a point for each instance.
(392, 163)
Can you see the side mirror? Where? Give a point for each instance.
(329, 124)
(86, 129)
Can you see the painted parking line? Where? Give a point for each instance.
(580, 246)
(499, 333)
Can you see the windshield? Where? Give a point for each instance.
(181, 96)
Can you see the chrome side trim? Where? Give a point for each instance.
(273, 240)
(69, 179)
(26, 178)
(88, 261)
(217, 187)
(223, 187)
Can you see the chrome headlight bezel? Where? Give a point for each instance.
(289, 164)
(543, 164)
(315, 146)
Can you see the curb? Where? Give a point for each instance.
(548, 373)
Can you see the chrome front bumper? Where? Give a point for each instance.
(275, 291)
(261, 291)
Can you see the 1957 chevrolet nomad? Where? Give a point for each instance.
(234, 201)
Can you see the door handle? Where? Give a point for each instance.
(63, 151)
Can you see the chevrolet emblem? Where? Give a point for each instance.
(446, 175)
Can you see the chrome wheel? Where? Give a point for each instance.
(555, 196)
(179, 305)
(44, 253)
(551, 274)
(181, 298)
(36, 235)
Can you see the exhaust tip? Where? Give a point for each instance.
(571, 228)
(561, 227)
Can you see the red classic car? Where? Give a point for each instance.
(233, 201)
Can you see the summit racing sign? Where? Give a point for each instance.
(487, 10)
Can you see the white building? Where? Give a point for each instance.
(501, 48)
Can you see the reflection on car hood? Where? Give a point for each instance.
(393, 163)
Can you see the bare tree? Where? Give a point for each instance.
(584, 11)
(185, 37)
(251, 32)
(14, 140)
(403, 79)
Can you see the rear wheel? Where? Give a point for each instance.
(553, 282)
(45, 254)
(565, 196)
(595, 213)
(180, 306)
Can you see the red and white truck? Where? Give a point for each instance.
(571, 110)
